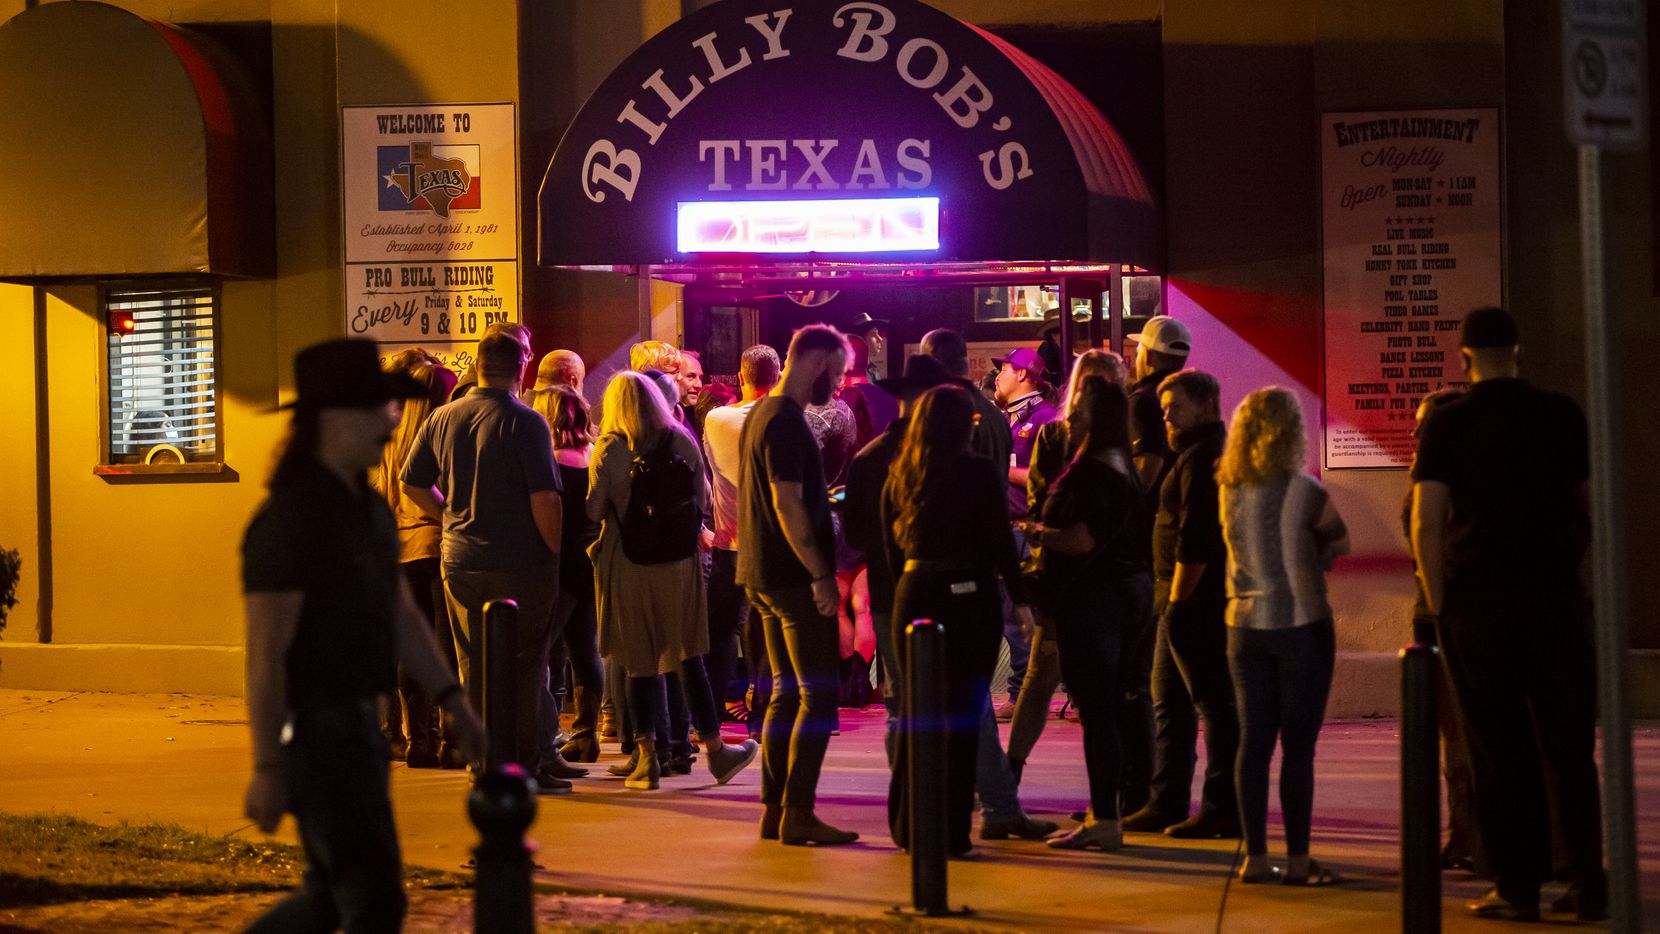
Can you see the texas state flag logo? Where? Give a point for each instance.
(428, 177)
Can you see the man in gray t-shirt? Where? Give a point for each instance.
(484, 463)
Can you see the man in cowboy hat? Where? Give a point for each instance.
(330, 618)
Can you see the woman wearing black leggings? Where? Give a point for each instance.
(947, 531)
(1094, 567)
(1282, 533)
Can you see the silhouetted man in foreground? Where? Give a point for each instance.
(330, 618)
(1500, 527)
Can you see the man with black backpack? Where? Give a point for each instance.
(786, 561)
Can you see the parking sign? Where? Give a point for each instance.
(1604, 72)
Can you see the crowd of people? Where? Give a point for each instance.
(703, 554)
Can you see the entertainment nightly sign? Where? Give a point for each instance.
(1410, 219)
(870, 105)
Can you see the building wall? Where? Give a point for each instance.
(145, 574)
(1546, 293)
(143, 591)
(146, 593)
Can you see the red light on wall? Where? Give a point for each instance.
(122, 323)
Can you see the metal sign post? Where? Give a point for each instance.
(1604, 67)
(1608, 545)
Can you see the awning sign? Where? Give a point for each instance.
(872, 225)
(431, 208)
(839, 100)
(1411, 234)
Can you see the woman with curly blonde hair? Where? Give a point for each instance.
(1282, 533)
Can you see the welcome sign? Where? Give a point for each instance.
(431, 223)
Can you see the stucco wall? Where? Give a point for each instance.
(154, 565)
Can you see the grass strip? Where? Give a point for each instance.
(50, 858)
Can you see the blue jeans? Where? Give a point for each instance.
(993, 779)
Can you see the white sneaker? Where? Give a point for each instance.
(726, 762)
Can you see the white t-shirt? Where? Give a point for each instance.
(722, 428)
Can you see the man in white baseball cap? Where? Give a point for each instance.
(1154, 797)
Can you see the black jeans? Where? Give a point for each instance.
(427, 585)
(1096, 620)
(646, 710)
(1190, 681)
(727, 608)
(576, 642)
(1282, 678)
(1522, 667)
(698, 705)
(804, 650)
(1135, 711)
(973, 624)
(336, 770)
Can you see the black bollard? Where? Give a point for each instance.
(501, 624)
(925, 685)
(1420, 791)
(502, 805)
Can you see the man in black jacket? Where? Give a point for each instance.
(1500, 527)
(1190, 664)
(330, 618)
(1162, 348)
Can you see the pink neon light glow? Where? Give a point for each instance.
(865, 225)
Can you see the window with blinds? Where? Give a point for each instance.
(163, 360)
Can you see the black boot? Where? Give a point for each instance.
(556, 766)
(423, 730)
(391, 726)
(584, 743)
(858, 684)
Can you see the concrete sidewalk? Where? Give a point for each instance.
(184, 759)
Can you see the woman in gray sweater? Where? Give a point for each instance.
(1282, 533)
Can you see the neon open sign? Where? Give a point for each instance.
(854, 225)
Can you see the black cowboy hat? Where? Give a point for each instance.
(922, 373)
(346, 374)
(864, 322)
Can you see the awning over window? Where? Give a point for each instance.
(934, 143)
(134, 148)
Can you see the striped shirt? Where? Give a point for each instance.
(1281, 536)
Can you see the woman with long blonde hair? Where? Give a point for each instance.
(418, 534)
(1282, 533)
(651, 615)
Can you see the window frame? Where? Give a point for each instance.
(206, 470)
